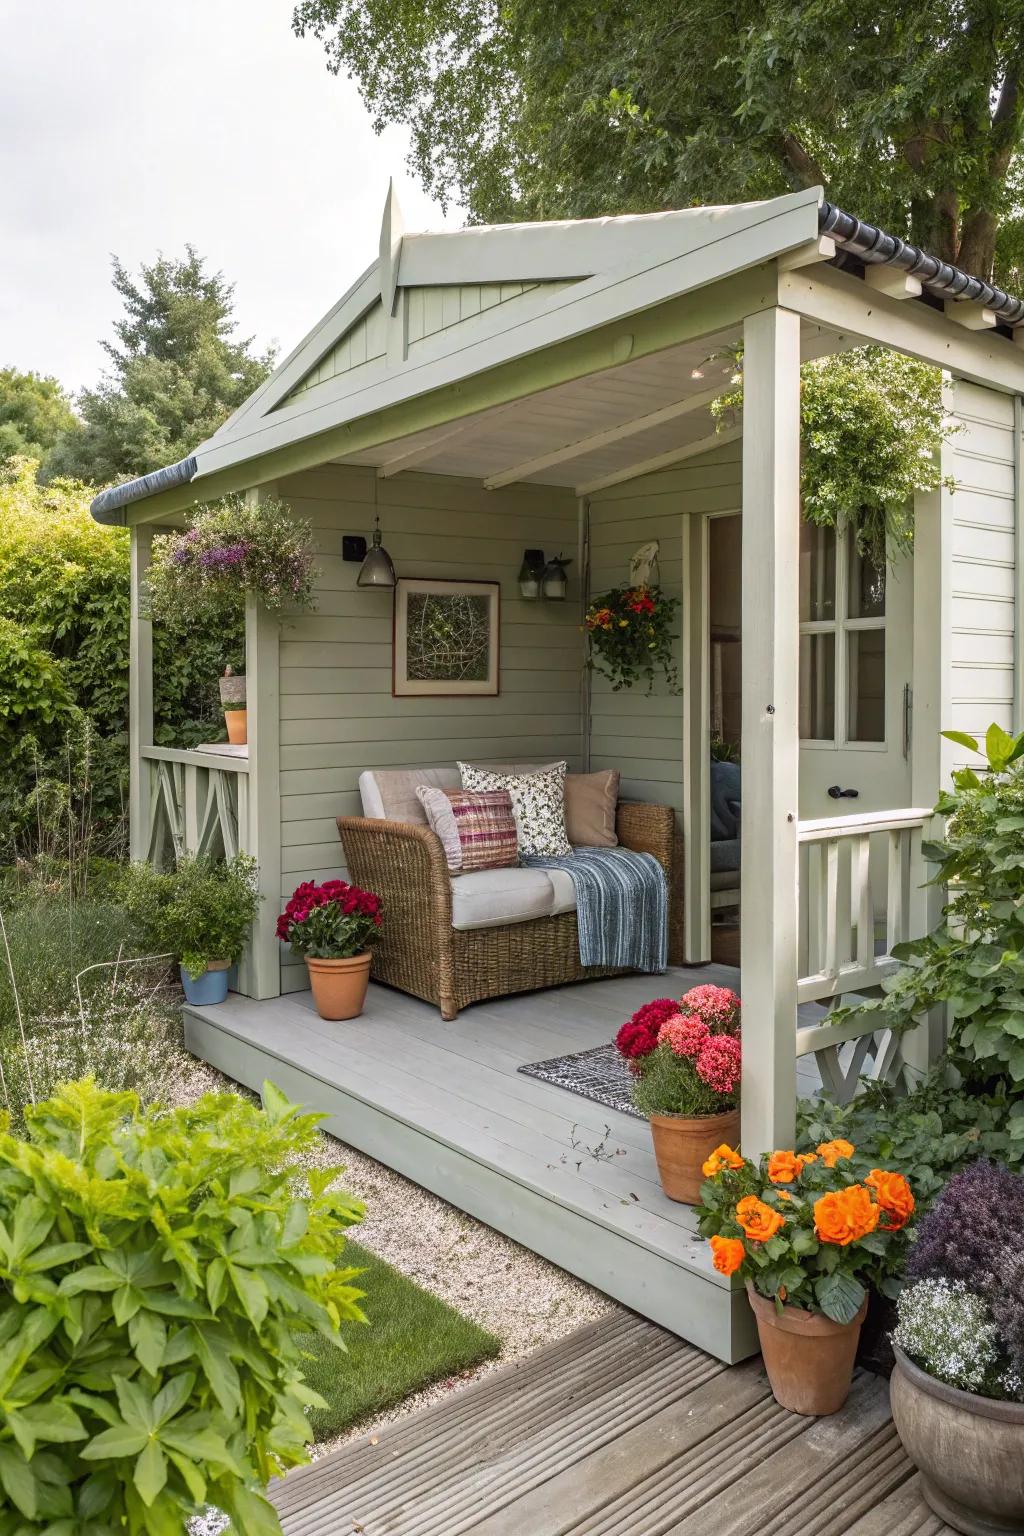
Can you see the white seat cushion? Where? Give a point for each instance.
(487, 898)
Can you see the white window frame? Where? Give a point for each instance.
(842, 626)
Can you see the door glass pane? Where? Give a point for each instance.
(867, 586)
(817, 687)
(817, 573)
(866, 652)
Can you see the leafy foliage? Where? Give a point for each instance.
(176, 374)
(200, 911)
(974, 962)
(911, 115)
(34, 412)
(159, 1270)
(629, 631)
(230, 549)
(872, 425)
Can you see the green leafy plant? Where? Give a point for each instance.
(231, 549)
(872, 425)
(201, 911)
(160, 1270)
(629, 630)
(974, 962)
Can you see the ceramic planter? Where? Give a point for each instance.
(236, 721)
(808, 1357)
(968, 1449)
(210, 987)
(339, 986)
(682, 1145)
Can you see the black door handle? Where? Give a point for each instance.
(835, 793)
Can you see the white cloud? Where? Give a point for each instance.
(131, 128)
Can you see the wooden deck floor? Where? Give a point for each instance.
(620, 1430)
(444, 1104)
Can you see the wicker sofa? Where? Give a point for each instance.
(453, 958)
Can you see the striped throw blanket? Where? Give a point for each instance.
(621, 906)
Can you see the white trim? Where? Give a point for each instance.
(663, 460)
(822, 249)
(973, 317)
(696, 743)
(893, 283)
(140, 695)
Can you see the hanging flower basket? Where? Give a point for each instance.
(631, 636)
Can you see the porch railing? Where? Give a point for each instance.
(198, 803)
(850, 868)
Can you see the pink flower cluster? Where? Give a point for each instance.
(685, 1033)
(717, 1006)
(716, 1058)
(308, 896)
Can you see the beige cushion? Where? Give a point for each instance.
(441, 820)
(564, 891)
(590, 803)
(389, 794)
(487, 898)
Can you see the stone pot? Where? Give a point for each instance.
(682, 1145)
(808, 1357)
(232, 687)
(339, 986)
(237, 722)
(968, 1449)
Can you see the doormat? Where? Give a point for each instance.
(599, 1074)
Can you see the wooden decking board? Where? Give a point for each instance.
(621, 1430)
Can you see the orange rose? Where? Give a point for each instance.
(721, 1157)
(784, 1167)
(894, 1196)
(729, 1254)
(832, 1151)
(845, 1216)
(759, 1221)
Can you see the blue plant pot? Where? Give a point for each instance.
(210, 987)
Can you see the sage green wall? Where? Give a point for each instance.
(337, 713)
(642, 735)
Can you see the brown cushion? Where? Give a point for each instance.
(590, 803)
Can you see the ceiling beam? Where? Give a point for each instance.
(583, 445)
(662, 460)
(424, 451)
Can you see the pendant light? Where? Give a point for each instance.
(376, 569)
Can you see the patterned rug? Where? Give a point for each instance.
(599, 1074)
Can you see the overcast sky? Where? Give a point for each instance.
(131, 127)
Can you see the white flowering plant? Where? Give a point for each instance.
(948, 1330)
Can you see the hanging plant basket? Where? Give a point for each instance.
(630, 630)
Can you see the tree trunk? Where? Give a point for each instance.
(977, 253)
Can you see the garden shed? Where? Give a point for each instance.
(551, 388)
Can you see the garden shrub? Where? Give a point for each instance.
(160, 1271)
(199, 912)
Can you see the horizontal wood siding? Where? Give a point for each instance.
(337, 713)
(982, 510)
(639, 734)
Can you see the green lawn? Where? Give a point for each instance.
(412, 1340)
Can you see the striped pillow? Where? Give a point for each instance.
(484, 824)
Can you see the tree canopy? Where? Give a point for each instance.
(176, 372)
(34, 412)
(910, 114)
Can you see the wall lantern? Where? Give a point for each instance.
(554, 581)
(530, 573)
(376, 569)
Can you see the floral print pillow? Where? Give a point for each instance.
(538, 805)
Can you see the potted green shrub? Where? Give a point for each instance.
(959, 1346)
(685, 1057)
(808, 1237)
(200, 912)
(332, 926)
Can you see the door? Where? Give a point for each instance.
(856, 658)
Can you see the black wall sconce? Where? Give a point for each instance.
(543, 577)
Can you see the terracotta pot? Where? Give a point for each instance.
(808, 1357)
(682, 1144)
(339, 986)
(237, 722)
(968, 1450)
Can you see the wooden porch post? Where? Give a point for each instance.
(696, 744)
(770, 633)
(261, 834)
(140, 695)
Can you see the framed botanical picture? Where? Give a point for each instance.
(446, 637)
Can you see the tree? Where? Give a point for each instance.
(911, 114)
(176, 374)
(34, 412)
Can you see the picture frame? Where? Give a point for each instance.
(446, 640)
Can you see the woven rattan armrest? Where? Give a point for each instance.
(647, 829)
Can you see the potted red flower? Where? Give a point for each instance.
(331, 925)
(685, 1056)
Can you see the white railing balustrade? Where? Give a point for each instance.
(198, 803)
(859, 897)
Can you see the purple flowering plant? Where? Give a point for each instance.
(229, 550)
